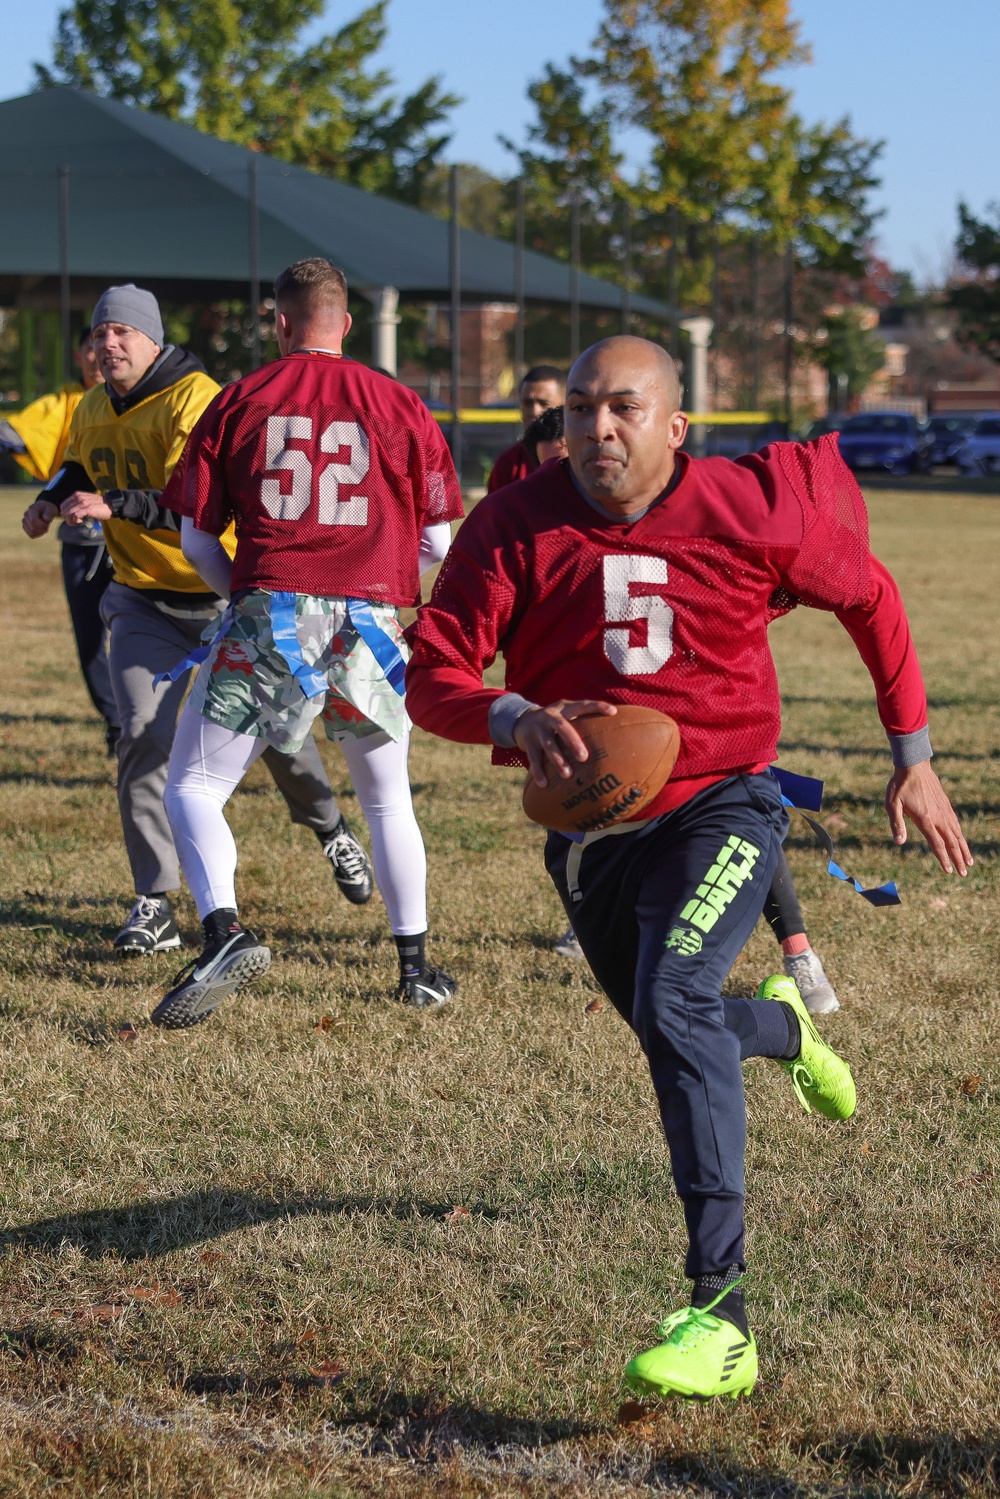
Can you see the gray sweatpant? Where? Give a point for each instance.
(149, 637)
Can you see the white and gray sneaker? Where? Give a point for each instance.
(568, 945)
(150, 927)
(351, 865)
(817, 992)
(230, 959)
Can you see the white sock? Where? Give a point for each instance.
(207, 763)
(379, 771)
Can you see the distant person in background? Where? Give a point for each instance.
(546, 438)
(37, 437)
(542, 387)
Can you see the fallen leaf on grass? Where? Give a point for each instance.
(158, 1295)
(325, 1023)
(866, 1148)
(457, 1215)
(835, 823)
(329, 1372)
(594, 1008)
(970, 1085)
(211, 1256)
(307, 1337)
(127, 1034)
(102, 1311)
(938, 903)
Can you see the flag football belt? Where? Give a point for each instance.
(804, 792)
(313, 683)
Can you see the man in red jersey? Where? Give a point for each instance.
(542, 388)
(631, 573)
(342, 489)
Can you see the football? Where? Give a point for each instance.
(631, 756)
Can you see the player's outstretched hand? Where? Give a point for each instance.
(82, 506)
(548, 734)
(917, 793)
(38, 517)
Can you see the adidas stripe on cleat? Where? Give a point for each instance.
(222, 968)
(701, 1356)
(822, 1080)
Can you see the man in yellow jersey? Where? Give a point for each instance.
(37, 437)
(125, 439)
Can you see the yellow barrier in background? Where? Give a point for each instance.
(479, 416)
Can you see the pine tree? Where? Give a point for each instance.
(239, 69)
(977, 299)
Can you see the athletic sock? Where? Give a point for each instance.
(794, 1033)
(220, 925)
(732, 1306)
(412, 962)
(792, 946)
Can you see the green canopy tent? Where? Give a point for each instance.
(95, 191)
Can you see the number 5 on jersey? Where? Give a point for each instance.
(622, 609)
(334, 439)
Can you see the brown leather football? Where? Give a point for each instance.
(632, 753)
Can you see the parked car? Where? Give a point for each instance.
(832, 422)
(949, 433)
(980, 453)
(891, 441)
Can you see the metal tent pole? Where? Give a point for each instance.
(626, 266)
(755, 322)
(715, 316)
(455, 272)
(574, 277)
(672, 281)
(789, 335)
(67, 343)
(519, 280)
(253, 204)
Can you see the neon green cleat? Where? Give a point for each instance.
(821, 1079)
(701, 1355)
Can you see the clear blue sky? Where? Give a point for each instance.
(920, 74)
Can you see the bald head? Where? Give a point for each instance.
(623, 422)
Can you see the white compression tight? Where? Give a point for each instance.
(208, 762)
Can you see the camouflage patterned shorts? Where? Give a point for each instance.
(246, 683)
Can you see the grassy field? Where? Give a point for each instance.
(323, 1246)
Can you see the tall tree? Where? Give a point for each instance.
(240, 69)
(699, 77)
(976, 298)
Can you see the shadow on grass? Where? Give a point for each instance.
(155, 1226)
(861, 1465)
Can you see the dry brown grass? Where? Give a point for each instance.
(196, 1223)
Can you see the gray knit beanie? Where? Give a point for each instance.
(132, 306)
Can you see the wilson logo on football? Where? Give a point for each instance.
(594, 792)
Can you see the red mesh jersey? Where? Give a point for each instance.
(670, 611)
(330, 471)
(513, 464)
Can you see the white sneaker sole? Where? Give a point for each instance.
(196, 1000)
(140, 950)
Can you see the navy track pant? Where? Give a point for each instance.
(661, 914)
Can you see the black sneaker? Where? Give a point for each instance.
(229, 960)
(351, 865)
(150, 927)
(427, 990)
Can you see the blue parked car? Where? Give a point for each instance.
(980, 453)
(890, 441)
(949, 433)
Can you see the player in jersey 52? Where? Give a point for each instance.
(631, 573)
(342, 490)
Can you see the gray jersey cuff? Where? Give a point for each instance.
(910, 749)
(504, 713)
